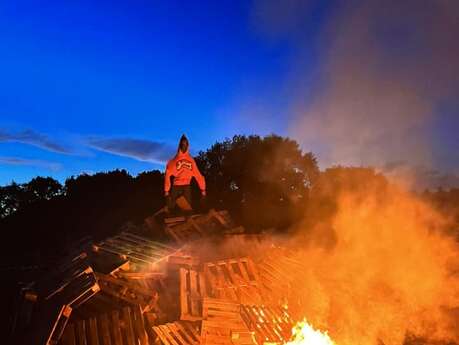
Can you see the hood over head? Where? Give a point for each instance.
(184, 145)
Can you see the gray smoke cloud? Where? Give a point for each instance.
(387, 72)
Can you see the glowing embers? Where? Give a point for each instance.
(305, 334)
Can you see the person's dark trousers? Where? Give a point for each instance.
(176, 192)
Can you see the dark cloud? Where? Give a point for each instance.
(31, 137)
(143, 150)
(30, 162)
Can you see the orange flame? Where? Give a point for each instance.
(304, 334)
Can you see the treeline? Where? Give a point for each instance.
(266, 182)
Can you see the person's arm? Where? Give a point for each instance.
(199, 178)
(167, 179)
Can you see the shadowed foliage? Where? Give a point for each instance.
(265, 181)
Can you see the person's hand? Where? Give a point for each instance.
(166, 194)
(203, 193)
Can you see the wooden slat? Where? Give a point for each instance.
(117, 339)
(127, 318)
(178, 333)
(68, 338)
(105, 329)
(139, 326)
(81, 333)
(93, 333)
(136, 248)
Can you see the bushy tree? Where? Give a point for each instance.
(15, 196)
(265, 180)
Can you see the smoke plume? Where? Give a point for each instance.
(387, 72)
(390, 271)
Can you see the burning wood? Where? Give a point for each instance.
(224, 301)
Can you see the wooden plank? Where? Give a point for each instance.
(68, 338)
(189, 332)
(183, 294)
(105, 329)
(117, 338)
(178, 333)
(93, 333)
(127, 318)
(81, 332)
(194, 293)
(172, 220)
(139, 326)
(164, 334)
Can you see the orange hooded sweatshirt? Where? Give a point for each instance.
(183, 168)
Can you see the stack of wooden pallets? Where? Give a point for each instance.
(130, 290)
(142, 253)
(185, 229)
(49, 301)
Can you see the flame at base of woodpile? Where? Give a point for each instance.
(304, 334)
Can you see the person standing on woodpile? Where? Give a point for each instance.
(183, 168)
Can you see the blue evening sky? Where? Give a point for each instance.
(146, 70)
(89, 86)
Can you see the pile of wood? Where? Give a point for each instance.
(130, 290)
(46, 304)
(186, 229)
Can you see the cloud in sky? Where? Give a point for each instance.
(142, 150)
(30, 162)
(31, 137)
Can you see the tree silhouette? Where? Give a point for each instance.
(17, 196)
(265, 180)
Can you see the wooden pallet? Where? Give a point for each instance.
(139, 250)
(128, 291)
(120, 327)
(222, 323)
(183, 230)
(234, 279)
(278, 272)
(192, 291)
(270, 324)
(178, 333)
